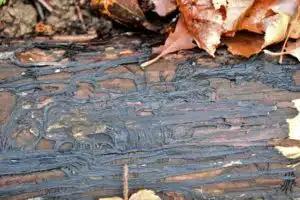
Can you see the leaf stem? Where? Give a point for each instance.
(125, 182)
(289, 34)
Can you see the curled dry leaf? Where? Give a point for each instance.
(276, 28)
(235, 13)
(260, 10)
(295, 34)
(294, 125)
(204, 22)
(294, 133)
(140, 195)
(295, 25)
(271, 17)
(180, 39)
(290, 30)
(289, 152)
(144, 195)
(244, 44)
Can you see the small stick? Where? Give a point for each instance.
(79, 13)
(288, 35)
(145, 64)
(40, 10)
(75, 38)
(46, 5)
(275, 53)
(125, 182)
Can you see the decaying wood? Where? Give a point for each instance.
(72, 115)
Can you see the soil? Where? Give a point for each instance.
(20, 18)
(17, 19)
(29, 19)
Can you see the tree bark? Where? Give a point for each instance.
(73, 114)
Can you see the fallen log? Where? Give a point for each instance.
(73, 114)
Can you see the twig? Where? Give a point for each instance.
(145, 64)
(289, 34)
(46, 5)
(75, 38)
(275, 53)
(39, 9)
(125, 182)
(79, 13)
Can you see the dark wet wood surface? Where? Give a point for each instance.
(72, 115)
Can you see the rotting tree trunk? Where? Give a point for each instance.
(72, 115)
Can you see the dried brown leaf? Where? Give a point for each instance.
(295, 34)
(294, 125)
(144, 195)
(271, 17)
(180, 39)
(254, 21)
(276, 28)
(204, 22)
(290, 31)
(292, 152)
(244, 44)
(235, 13)
(295, 24)
(140, 195)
